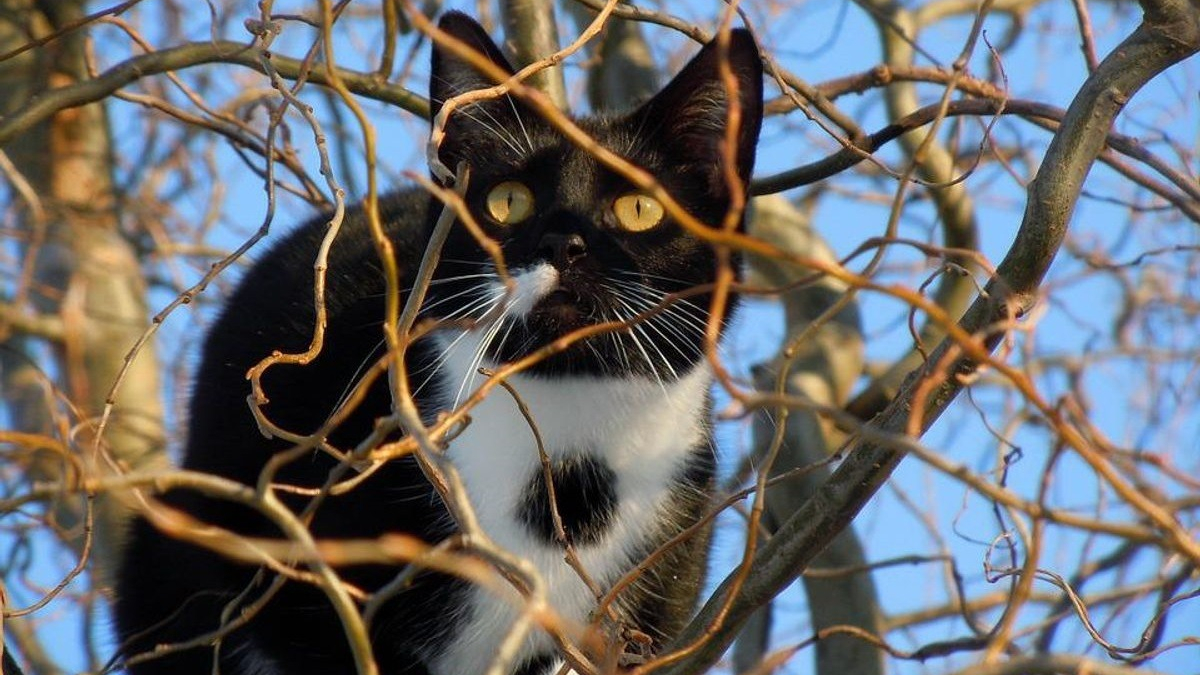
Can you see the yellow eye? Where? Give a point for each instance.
(510, 202)
(637, 212)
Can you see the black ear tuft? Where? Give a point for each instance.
(451, 75)
(484, 128)
(691, 113)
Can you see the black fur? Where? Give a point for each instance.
(171, 592)
(585, 493)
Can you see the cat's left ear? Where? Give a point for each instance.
(477, 128)
(451, 75)
(691, 113)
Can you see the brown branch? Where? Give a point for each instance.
(68, 27)
(44, 326)
(22, 634)
(623, 71)
(820, 358)
(1044, 115)
(50, 102)
(810, 93)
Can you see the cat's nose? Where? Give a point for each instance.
(562, 249)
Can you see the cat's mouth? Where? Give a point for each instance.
(562, 309)
(560, 296)
(546, 305)
(547, 298)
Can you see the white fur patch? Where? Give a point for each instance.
(532, 284)
(642, 429)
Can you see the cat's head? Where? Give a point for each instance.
(582, 243)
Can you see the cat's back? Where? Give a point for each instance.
(275, 298)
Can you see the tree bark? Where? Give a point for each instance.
(533, 34)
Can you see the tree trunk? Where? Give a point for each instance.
(85, 274)
(823, 367)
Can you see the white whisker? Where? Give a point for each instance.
(520, 123)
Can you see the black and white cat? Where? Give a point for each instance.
(623, 415)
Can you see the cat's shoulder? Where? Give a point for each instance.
(402, 215)
(288, 261)
(275, 293)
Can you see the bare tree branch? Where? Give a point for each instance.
(44, 326)
(95, 89)
(1183, 193)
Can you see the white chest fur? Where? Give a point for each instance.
(642, 430)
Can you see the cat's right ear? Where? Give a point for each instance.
(689, 116)
(475, 127)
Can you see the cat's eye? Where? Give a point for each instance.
(637, 212)
(510, 202)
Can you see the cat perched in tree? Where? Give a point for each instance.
(622, 415)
